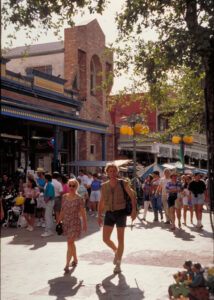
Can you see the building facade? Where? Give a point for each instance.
(57, 80)
(149, 150)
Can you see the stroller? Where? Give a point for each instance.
(13, 213)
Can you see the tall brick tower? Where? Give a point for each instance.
(87, 63)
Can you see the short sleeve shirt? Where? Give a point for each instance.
(197, 187)
(49, 191)
(171, 186)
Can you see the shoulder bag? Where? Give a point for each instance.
(128, 208)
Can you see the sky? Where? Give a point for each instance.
(108, 25)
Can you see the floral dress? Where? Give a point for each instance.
(71, 220)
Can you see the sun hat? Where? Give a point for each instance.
(40, 170)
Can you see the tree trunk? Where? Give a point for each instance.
(209, 100)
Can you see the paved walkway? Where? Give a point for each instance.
(32, 267)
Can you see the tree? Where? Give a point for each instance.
(185, 38)
(185, 32)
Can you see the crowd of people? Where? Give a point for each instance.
(175, 192)
(48, 196)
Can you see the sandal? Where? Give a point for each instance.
(66, 269)
(74, 263)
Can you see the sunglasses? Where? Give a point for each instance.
(72, 185)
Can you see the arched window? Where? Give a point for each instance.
(92, 78)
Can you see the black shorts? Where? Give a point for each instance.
(117, 217)
(28, 207)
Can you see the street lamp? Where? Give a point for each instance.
(135, 127)
(182, 140)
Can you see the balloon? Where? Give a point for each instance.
(20, 200)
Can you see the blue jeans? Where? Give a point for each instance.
(49, 224)
(156, 205)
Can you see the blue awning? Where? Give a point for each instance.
(38, 115)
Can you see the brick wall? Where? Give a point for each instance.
(82, 45)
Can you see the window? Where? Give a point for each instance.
(162, 123)
(92, 149)
(45, 69)
(92, 78)
(75, 84)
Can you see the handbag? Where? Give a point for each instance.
(128, 208)
(59, 228)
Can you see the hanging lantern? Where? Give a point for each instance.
(130, 131)
(138, 128)
(176, 139)
(191, 139)
(124, 129)
(186, 139)
(145, 130)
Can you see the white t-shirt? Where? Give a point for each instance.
(84, 179)
(57, 187)
(163, 183)
(89, 182)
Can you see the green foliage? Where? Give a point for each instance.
(43, 15)
(185, 41)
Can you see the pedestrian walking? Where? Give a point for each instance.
(197, 194)
(95, 192)
(112, 200)
(49, 197)
(58, 191)
(147, 190)
(64, 182)
(185, 197)
(173, 187)
(83, 178)
(31, 192)
(162, 191)
(156, 197)
(83, 192)
(71, 211)
(40, 210)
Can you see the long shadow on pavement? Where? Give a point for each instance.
(64, 286)
(23, 237)
(108, 290)
(202, 232)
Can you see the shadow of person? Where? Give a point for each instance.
(202, 232)
(182, 234)
(64, 286)
(108, 290)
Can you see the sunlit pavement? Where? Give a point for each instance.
(32, 266)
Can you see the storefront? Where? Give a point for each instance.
(39, 122)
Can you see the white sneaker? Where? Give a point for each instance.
(30, 228)
(43, 224)
(47, 233)
(38, 224)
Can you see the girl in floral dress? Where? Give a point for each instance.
(72, 209)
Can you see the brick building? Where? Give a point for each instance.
(149, 150)
(61, 78)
